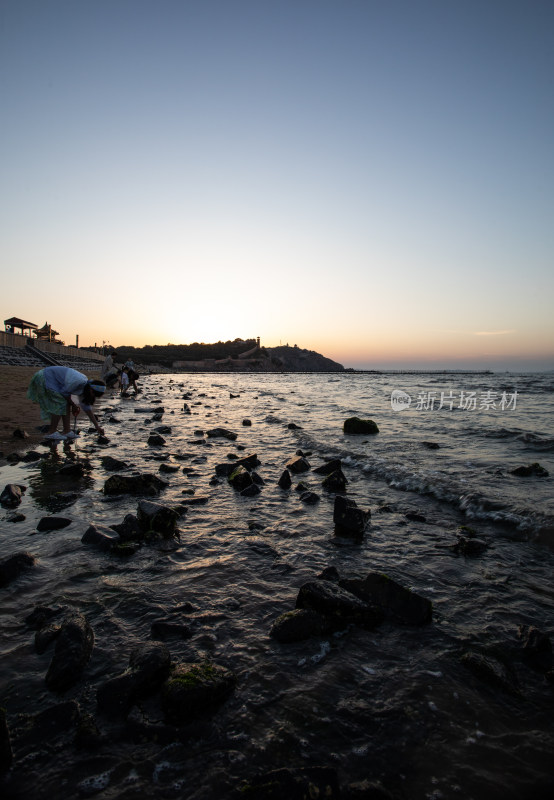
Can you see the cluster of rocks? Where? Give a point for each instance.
(331, 603)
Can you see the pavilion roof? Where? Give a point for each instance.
(19, 323)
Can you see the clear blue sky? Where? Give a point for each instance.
(372, 180)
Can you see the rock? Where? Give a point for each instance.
(129, 529)
(338, 605)
(531, 470)
(16, 517)
(249, 462)
(329, 467)
(41, 615)
(6, 754)
(103, 440)
(292, 426)
(159, 410)
(31, 456)
(285, 480)
(52, 523)
(13, 458)
(348, 518)
(491, 670)
(335, 481)
(293, 784)
(71, 470)
(149, 666)
(163, 429)
(310, 498)
(157, 519)
(155, 440)
(13, 566)
(73, 650)
(199, 500)
(45, 636)
(165, 629)
(240, 478)
(537, 647)
(251, 491)
(224, 469)
(169, 468)
(87, 735)
(469, 546)
(134, 484)
(101, 539)
(329, 574)
(247, 422)
(12, 495)
(431, 445)
(414, 516)
(19, 433)
(111, 464)
(297, 625)
(221, 432)
(298, 464)
(257, 479)
(396, 602)
(357, 425)
(194, 689)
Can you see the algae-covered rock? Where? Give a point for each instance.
(157, 519)
(335, 481)
(149, 666)
(359, 426)
(297, 625)
(194, 689)
(240, 478)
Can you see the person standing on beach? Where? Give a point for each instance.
(52, 388)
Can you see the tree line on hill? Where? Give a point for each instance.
(165, 355)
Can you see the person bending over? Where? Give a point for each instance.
(52, 388)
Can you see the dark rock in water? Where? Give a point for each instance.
(12, 567)
(31, 456)
(348, 518)
(169, 468)
(431, 445)
(73, 650)
(41, 615)
(251, 491)
(285, 481)
(292, 426)
(53, 523)
(396, 602)
(301, 487)
(101, 539)
(357, 425)
(149, 666)
(335, 481)
(159, 410)
(469, 546)
(13, 458)
(194, 689)
(16, 517)
(247, 423)
(490, 670)
(249, 462)
(310, 498)
(157, 519)
(111, 464)
(531, 470)
(129, 529)
(166, 629)
(103, 440)
(232, 396)
(337, 604)
(257, 479)
(134, 484)
(45, 636)
(221, 432)
(19, 433)
(224, 469)
(155, 440)
(12, 495)
(163, 429)
(87, 735)
(297, 625)
(329, 467)
(293, 784)
(298, 464)
(71, 470)
(414, 516)
(537, 647)
(329, 574)
(199, 500)
(6, 754)
(240, 478)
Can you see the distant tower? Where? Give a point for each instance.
(257, 341)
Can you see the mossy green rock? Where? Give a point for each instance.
(357, 425)
(195, 689)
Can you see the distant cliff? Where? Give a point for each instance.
(295, 359)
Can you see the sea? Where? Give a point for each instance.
(392, 710)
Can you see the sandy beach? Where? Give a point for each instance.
(16, 411)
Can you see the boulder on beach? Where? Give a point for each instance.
(240, 478)
(73, 650)
(329, 467)
(221, 432)
(348, 518)
(397, 603)
(155, 440)
(285, 481)
(335, 481)
(194, 689)
(298, 464)
(12, 495)
(52, 523)
(149, 666)
(338, 605)
(154, 518)
(531, 470)
(12, 567)
(111, 464)
(101, 537)
(355, 425)
(134, 484)
(491, 670)
(297, 625)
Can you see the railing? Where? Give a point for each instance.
(17, 340)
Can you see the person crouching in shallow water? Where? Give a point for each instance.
(52, 388)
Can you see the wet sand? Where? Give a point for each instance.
(16, 411)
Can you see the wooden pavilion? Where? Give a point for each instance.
(14, 324)
(47, 333)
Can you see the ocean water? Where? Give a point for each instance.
(394, 705)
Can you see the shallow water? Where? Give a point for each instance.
(393, 704)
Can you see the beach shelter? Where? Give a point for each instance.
(47, 332)
(14, 324)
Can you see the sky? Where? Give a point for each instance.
(370, 179)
